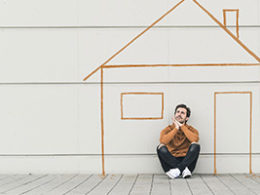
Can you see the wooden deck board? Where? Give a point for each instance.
(124, 185)
(249, 183)
(216, 186)
(69, 185)
(180, 186)
(90, 184)
(233, 184)
(107, 185)
(142, 185)
(30, 186)
(10, 179)
(154, 184)
(198, 186)
(47, 187)
(161, 185)
(16, 184)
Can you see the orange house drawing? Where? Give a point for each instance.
(238, 55)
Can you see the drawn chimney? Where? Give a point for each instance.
(230, 17)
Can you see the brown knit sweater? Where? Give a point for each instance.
(178, 141)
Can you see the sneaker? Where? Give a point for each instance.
(186, 173)
(173, 173)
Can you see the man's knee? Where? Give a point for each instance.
(162, 148)
(194, 147)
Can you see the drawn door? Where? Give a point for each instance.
(232, 132)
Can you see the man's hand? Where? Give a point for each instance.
(176, 123)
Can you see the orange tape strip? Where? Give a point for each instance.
(250, 139)
(224, 18)
(215, 129)
(237, 23)
(230, 10)
(91, 73)
(102, 122)
(146, 93)
(179, 65)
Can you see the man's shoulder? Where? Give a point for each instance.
(191, 128)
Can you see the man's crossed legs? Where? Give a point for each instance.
(174, 166)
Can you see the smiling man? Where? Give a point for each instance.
(179, 150)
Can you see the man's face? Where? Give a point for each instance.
(181, 115)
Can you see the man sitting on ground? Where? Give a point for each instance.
(178, 151)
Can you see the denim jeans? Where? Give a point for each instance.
(168, 161)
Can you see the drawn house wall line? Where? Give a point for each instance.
(105, 66)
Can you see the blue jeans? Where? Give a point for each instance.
(168, 161)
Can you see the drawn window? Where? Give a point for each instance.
(142, 105)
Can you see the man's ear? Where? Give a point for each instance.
(187, 119)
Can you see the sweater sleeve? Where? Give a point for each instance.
(191, 133)
(167, 135)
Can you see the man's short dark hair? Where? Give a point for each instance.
(185, 107)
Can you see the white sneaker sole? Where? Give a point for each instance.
(186, 176)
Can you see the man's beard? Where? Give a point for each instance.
(182, 122)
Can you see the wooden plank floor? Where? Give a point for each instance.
(119, 184)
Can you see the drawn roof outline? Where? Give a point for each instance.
(163, 16)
